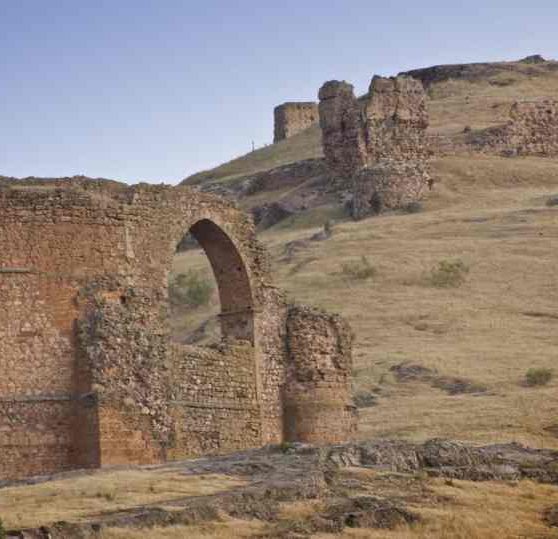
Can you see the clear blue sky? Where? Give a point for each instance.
(156, 90)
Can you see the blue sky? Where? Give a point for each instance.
(156, 90)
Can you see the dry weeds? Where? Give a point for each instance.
(84, 498)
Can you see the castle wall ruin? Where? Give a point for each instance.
(89, 374)
(292, 118)
(377, 143)
(532, 129)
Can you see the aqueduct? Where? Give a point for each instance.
(89, 375)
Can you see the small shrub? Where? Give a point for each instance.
(3, 533)
(552, 201)
(358, 270)
(108, 495)
(413, 207)
(190, 289)
(286, 447)
(538, 377)
(365, 399)
(449, 273)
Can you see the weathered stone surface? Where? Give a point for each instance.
(377, 144)
(318, 395)
(531, 130)
(89, 375)
(342, 130)
(292, 118)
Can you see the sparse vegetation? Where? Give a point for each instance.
(108, 495)
(552, 201)
(413, 207)
(86, 496)
(2, 530)
(190, 288)
(359, 270)
(449, 273)
(538, 376)
(285, 447)
(365, 399)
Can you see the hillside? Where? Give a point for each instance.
(472, 95)
(489, 213)
(432, 360)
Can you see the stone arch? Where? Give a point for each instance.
(233, 281)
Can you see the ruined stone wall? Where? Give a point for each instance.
(292, 118)
(531, 130)
(343, 137)
(377, 144)
(214, 400)
(89, 375)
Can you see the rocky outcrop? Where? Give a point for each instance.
(337, 476)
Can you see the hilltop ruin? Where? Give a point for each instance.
(377, 143)
(292, 118)
(89, 374)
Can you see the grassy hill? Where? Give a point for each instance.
(473, 95)
(490, 213)
(471, 344)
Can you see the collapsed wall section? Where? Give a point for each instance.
(292, 118)
(532, 129)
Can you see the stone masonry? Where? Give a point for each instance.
(292, 118)
(532, 129)
(377, 144)
(89, 375)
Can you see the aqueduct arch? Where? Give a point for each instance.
(88, 373)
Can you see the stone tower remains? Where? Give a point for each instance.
(292, 118)
(377, 143)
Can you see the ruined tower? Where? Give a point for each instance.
(292, 118)
(377, 144)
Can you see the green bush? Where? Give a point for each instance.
(538, 377)
(359, 270)
(449, 273)
(3, 533)
(286, 447)
(190, 288)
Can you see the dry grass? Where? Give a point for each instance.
(185, 318)
(453, 105)
(84, 498)
(489, 212)
(305, 145)
(465, 510)
(229, 529)
(485, 510)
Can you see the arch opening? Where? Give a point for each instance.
(209, 288)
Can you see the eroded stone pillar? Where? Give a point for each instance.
(318, 396)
